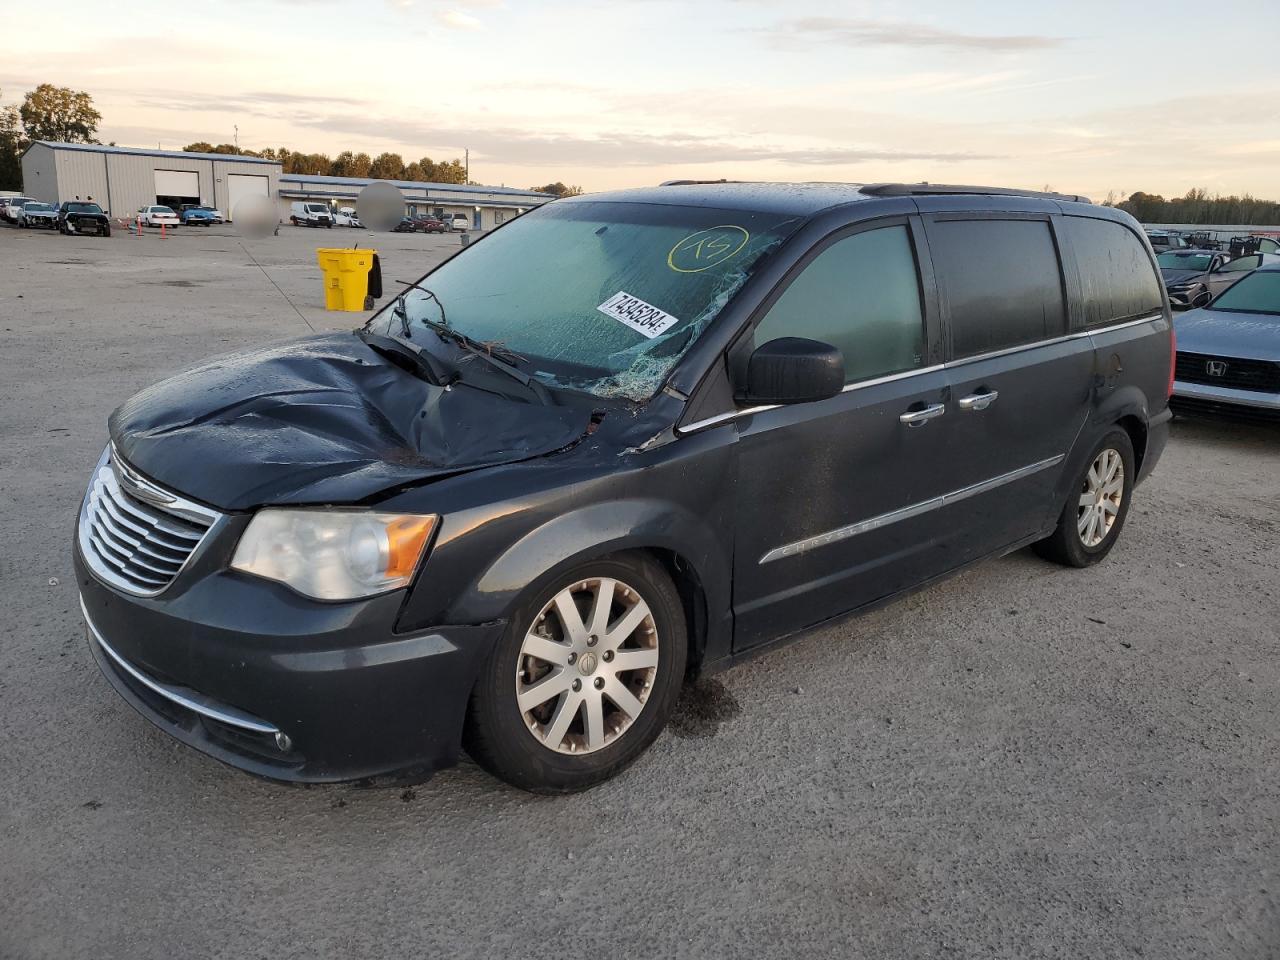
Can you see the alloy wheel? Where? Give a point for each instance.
(587, 666)
(1100, 498)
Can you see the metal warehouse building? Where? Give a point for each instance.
(123, 179)
(486, 207)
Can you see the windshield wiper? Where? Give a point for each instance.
(431, 367)
(461, 340)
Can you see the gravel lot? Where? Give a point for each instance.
(1022, 762)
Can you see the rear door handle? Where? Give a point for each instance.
(914, 418)
(978, 401)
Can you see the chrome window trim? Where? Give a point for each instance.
(182, 696)
(906, 513)
(847, 388)
(720, 418)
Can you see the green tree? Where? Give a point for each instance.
(559, 189)
(348, 164)
(200, 146)
(11, 147)
(59, 114)
(387, 166)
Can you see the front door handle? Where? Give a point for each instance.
(978, 401)
(914, 418)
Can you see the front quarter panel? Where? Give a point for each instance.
(542, 517)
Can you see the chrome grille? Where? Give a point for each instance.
(136, 544)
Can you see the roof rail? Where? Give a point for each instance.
(936, 189)
(694, 183)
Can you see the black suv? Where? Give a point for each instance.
(81, 216)
(622, 438)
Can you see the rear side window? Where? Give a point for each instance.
(1001, 280)
(1117, 280)
(861, 294)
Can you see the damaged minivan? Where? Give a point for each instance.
(622, 439)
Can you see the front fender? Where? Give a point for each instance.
(597, 530)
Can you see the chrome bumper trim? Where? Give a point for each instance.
(182, 696)
(1228, 395)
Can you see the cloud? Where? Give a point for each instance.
(612, 149)
(856, 32)
(457, 20)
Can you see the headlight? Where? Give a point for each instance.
(334, 554)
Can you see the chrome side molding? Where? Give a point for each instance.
(905, 513)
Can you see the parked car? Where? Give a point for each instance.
(1194, 277)
(192, 215)
(81, 216)
(1229, 351)
(303, 214)
(1186, 275)
(406, 225)
(428, 224)
(1268, 245)
(33, 213)
(347, 217)
(9, 205)
(458, 222)
(1162, 240)
(519, 526)
(158, 216)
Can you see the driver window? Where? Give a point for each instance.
(862, 295)
(1242, 263)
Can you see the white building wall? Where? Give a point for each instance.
(40, 174)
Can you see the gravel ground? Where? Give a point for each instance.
(1024, 761)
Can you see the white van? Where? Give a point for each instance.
(305, 214)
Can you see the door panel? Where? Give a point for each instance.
(1014, 445)
(838, 504)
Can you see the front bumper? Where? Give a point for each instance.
(226, 663)
(1205, 394)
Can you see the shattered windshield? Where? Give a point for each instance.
(597, 296)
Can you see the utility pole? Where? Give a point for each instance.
(237, 129)
(467, 154)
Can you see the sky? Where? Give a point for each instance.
(1087, 98)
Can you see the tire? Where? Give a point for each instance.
(1201, 298)
(1082, 537)
(106, 231)
(517, 746)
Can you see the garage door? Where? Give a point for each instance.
(241, 185)
(178, 183)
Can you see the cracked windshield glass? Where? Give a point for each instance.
(599, 297)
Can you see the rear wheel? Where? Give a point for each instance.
(1096, 507)
(584, 678)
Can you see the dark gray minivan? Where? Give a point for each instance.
(623, 438)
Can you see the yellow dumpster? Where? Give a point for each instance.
(347, 279)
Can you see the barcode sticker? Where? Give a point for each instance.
(644, 318)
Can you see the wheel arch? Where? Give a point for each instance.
(685, 545)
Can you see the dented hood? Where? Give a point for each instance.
(322, 420)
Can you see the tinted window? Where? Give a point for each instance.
(1001, 280)
(861, 294)
(1256, 293)
(1243, 264)
(1116, 279)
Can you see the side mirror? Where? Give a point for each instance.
(794, 370)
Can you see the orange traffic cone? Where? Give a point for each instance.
(162, 236)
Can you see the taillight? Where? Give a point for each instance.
(1173, 356)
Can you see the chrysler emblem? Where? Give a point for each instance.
(135, 486)
(1216, 368)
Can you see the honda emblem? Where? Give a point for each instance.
(1216, 368)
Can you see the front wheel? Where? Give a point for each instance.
(1096, 507)
(583, 679)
